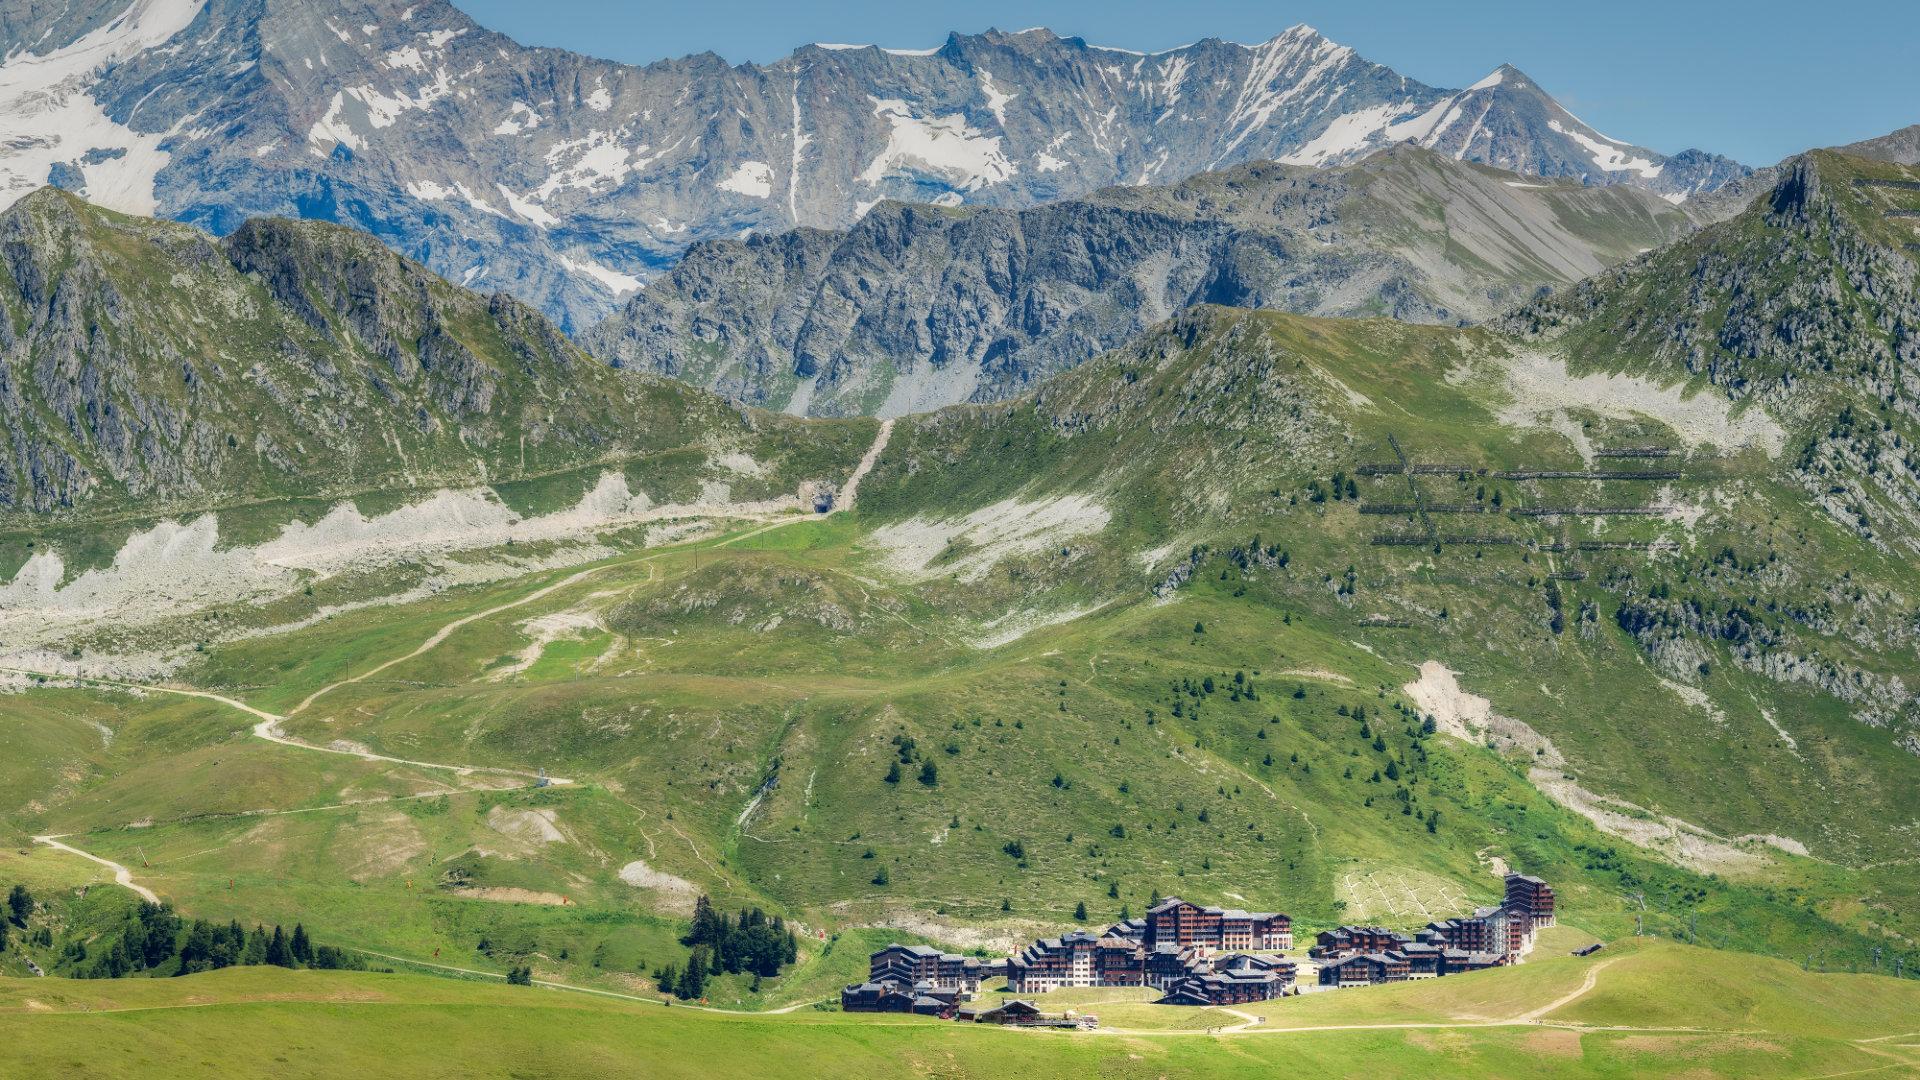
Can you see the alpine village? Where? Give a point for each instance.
(1199, 955)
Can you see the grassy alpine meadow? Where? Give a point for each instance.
(1603, 1016)
(760, 719)
(1188, 622)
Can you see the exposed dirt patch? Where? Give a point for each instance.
(507, 895)
(1680, 1045)
(532, 827)
(676, 894)
(544, 630)
(172, 569)
(1016, 624)
(1321, 674)
(1555, 1042)
(969, 546)
(1542, 391)
(955, 935)
(1682, 842)
(379, 845)
(1437, 693)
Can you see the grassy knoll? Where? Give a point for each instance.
(260, 1022)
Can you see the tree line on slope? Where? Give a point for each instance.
(152, 939)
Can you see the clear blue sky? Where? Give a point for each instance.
(1758, 80)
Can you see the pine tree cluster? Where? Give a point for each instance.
(154, 940)
(752, 943)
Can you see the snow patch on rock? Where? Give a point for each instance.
(50, 118)
(1610, 156)
(753, 179)
(945, 146)
(615, 282)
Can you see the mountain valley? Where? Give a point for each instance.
(1321, 502)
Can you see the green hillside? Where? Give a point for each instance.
(1335, 617)
(261, 1022)
(733, 709)
(152, 369)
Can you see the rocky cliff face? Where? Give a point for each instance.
(1806, 304)
(567, 180)
(1901, 147)
(916, 307)
(145, 365)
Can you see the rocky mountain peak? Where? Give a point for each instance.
(569, 181)
(1901, 147)
(145, 363)
(918, 306)
(1797, 188)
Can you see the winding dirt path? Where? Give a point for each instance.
(1586, 986)
(1247, 1020)
(120, 873)
(1251, 1024)
(442, 635)
(268, 727)
(571, 988)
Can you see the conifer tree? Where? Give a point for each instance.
(163, 934)
(197, 954)
(20, 905)
(693, 978)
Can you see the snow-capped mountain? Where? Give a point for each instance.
(569, 180)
